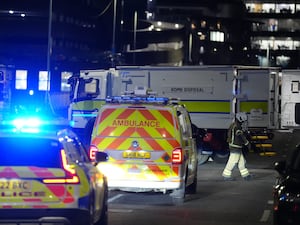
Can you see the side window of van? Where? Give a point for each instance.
(184, 123)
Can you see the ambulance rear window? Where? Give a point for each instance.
(29, 152)
(137, 122)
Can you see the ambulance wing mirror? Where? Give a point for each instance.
(101, 157)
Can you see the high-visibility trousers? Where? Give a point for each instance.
(235, 158)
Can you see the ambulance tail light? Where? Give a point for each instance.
(71, 175)
(92, 152)
(177, 156)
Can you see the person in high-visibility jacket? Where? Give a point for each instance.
(237, 140)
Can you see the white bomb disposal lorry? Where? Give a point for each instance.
(212, 95)
(290, 99)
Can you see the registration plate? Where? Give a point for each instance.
(15, 185)
(136, 155)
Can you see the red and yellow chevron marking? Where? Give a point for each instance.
(156, 131)
(38, 195)
(130, 122)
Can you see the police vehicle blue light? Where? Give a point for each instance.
(32, 124)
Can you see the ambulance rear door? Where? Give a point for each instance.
(139, 140)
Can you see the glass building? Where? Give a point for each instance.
(38, 36)
(275, 32)
(191, 33)
(29, 43)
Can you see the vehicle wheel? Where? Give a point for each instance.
(276, 219)
(202, 158)
(91, 213)
(221, 157)
(104, 213)
(178, 196)
(192, 189)
(178, 201)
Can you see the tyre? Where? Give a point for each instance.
(177, 201)
(104, 213)
(91, 212)
(192, 189)
(178, 195)
(202, 158)
(275, 218)
(203, 147)
(221, 157)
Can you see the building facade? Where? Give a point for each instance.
(193, 33)
(247, 32)
(31, 44)
(275, 32)
(99, 34)
(42, 43)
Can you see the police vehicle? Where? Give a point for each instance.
(46, 176)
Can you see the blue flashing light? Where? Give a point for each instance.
(31, 92)
(28, 125)
(33, 130)
(26, 122)
(31, 124)
(72, 123)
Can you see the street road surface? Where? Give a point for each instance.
(217, 202)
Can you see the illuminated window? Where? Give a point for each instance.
(21, 80)
(276, 44)
(271, 8)
(268, 8)
(64, 81)
(217, 36)
(44, 85)
(273, 25)
(283, 60)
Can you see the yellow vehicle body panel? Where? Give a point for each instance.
(139, 141)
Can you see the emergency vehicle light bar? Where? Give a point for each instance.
(137, 99)
(31, 124)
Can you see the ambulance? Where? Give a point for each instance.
(150, 144)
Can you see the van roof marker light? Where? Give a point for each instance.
(137, 99)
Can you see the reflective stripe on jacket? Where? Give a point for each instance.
(237, 138)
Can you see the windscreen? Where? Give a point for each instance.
(137, 122)
(23, 151)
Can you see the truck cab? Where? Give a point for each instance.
(89, 90)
